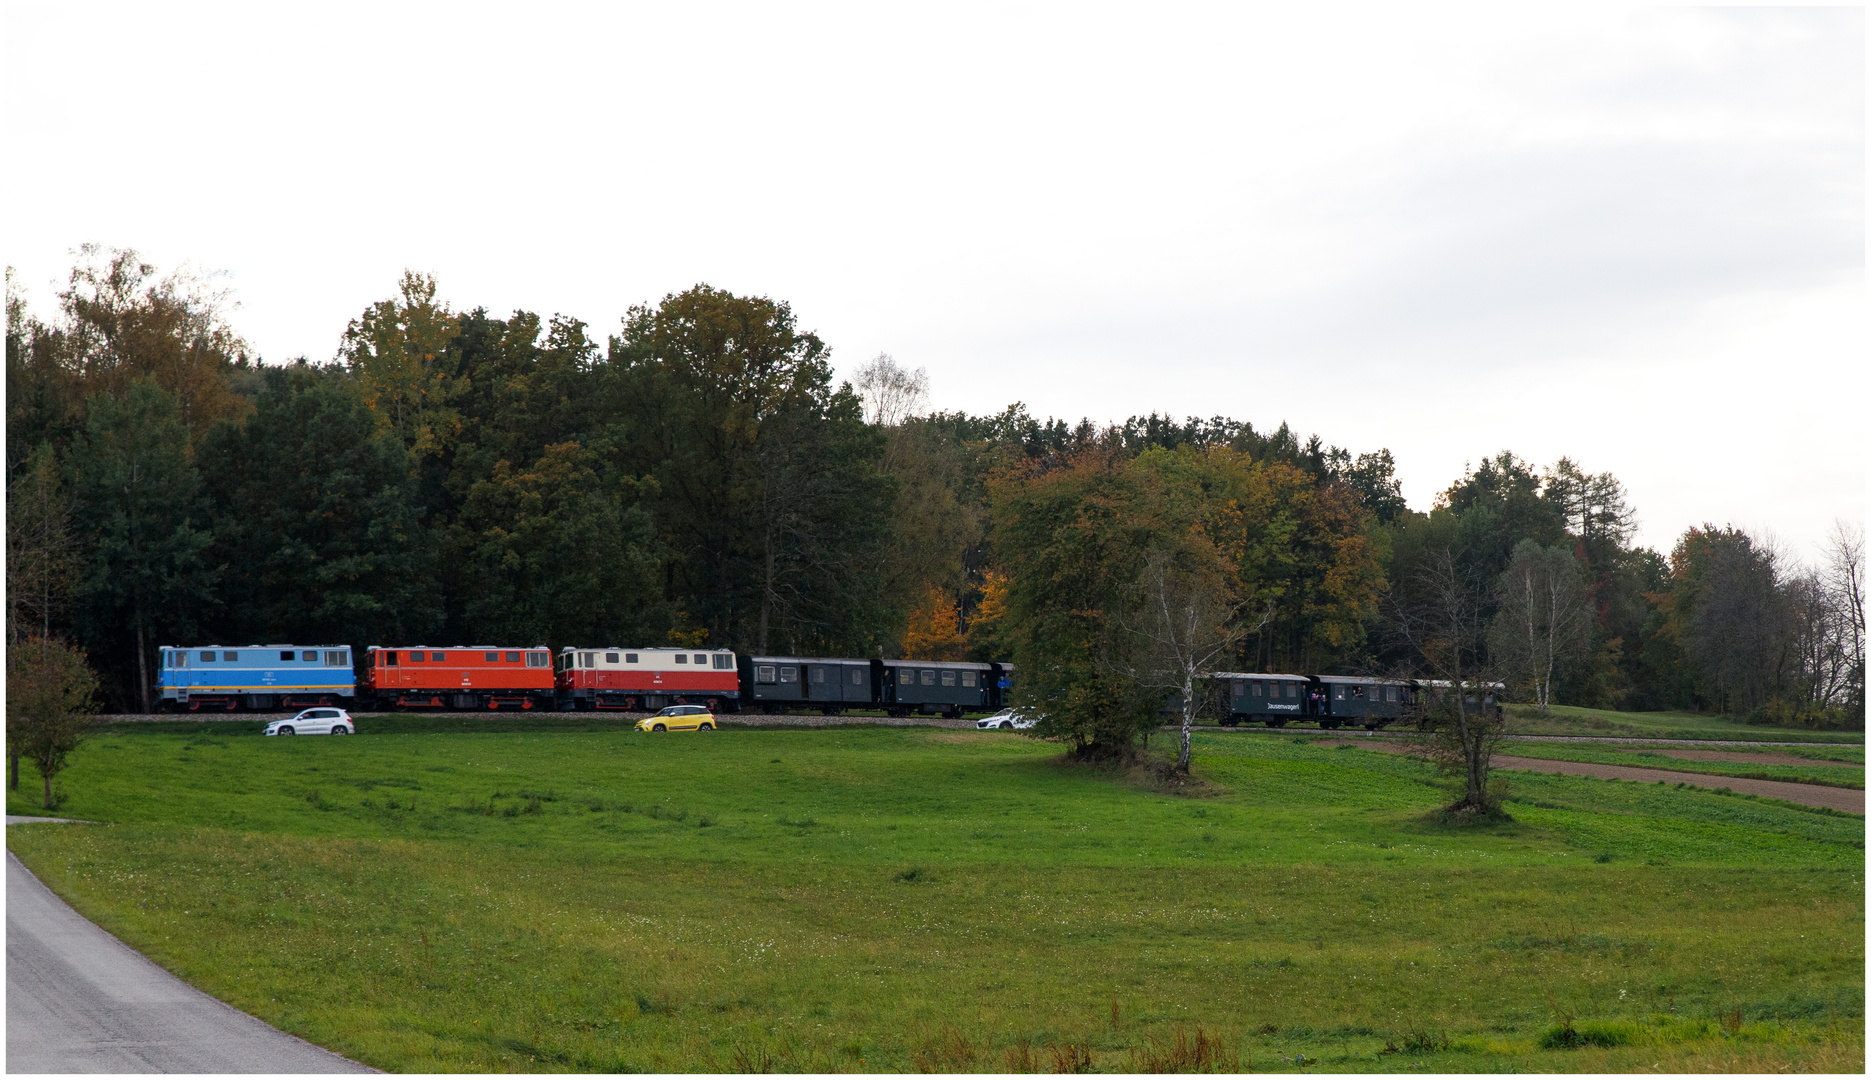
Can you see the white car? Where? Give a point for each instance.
(1005, 720)
(315, 722)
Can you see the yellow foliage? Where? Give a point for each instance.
(934, 631)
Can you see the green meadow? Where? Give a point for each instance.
(1833, 775)
(1576, 720)
(431, 897)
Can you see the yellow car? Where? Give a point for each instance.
(679, 718)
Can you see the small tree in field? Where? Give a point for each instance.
(50, 705)
(1444, 626)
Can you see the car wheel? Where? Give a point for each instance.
(287, 731)
(340, 729)
(660, 727)
(706, 727)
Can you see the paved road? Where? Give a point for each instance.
(79, 1000)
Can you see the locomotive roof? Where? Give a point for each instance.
(635, 648)
(278, 645)
(463, 648)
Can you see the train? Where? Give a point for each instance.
(1334, 701)
(490, 677)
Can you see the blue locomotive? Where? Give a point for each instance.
(255, 676)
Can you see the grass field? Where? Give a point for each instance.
(866, 899)
(1573, 720)
(1841, 775)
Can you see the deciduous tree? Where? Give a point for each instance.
(50, 699)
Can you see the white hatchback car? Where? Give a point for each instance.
(315, 722)
(1006, 719)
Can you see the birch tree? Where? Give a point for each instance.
(1187, 623)
(1544, 619)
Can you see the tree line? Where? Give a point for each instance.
(700, 476)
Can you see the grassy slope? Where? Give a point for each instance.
(1847, 776)
(1572, 720)
(869, 899)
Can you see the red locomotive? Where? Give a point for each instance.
(633, 679)
(476, 677)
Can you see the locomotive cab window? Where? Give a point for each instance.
(538, 659)
(389, 659)
(338, 658)
(723, 662)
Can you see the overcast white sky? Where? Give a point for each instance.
(1633, 236)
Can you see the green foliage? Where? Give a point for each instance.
(50, 697)
(315, 524)
(137, 490)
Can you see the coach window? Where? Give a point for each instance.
(766, 673)
(1292, 689)
(818, 674)
(1390, 693)
(1338, 692)
(610, 658)
(630, 658)
(682, 658)
(789, 674)
(967, 678)
(513, 658)
(928, 678)
(1238, 689)
(857, 676)
(948, 678)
